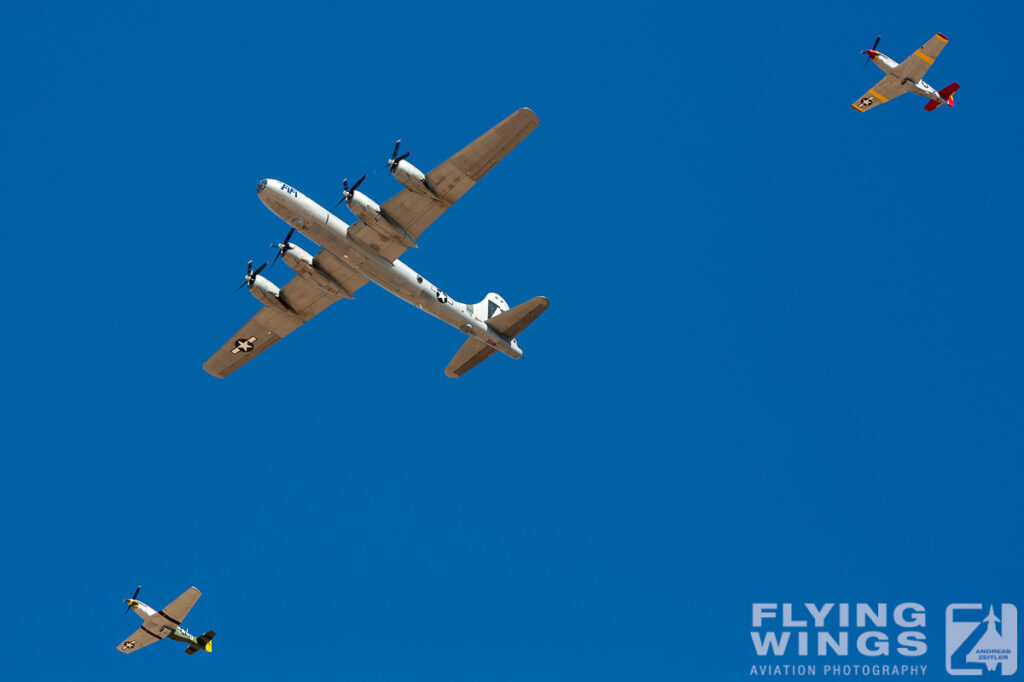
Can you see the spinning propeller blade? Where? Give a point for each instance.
(250, 275)
(283, 246)
(395, 158)
(346, 193)
(129, 601)
(392, 163)
(877, 38)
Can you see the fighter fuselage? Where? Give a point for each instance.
(887, 64)
(178, 634)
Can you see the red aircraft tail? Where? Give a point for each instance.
(945, 93)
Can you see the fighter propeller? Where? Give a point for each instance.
(282, 247)
(868, 52)
(250, 276)
(129, 601)
(346, 194)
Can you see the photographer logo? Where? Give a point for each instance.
(980, 640)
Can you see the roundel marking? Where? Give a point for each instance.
(244, 345)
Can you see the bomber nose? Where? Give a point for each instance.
(267, 189)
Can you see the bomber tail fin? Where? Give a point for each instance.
(493, 304)
(508, 323)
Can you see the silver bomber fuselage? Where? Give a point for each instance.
(331, 233)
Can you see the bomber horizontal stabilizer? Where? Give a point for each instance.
(511, 322)
(472, 353)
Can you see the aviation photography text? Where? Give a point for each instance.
(838, 640)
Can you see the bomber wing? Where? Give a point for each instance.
(882, 91)
(415, 212)
(916, 65)
(269, 325)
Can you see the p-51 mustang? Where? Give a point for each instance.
(906, 77)
(165, 623)
(368, 250)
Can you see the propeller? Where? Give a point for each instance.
(395, 158)
(129, 601)
(250, 276)
(283, 246)
(867, 52)
(346, 194)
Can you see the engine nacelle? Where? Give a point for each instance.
(413, 179)
(267, 293)
(365, 208)
(300, 260)
(369, 212)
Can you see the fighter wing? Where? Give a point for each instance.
(179, 608)
(144, 636)
(270, 325)
(916, 65)
(414, 212)
(883, 91)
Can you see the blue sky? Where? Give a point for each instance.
(782, 360)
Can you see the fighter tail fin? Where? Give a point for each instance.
(204, 642)
(946, 94)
